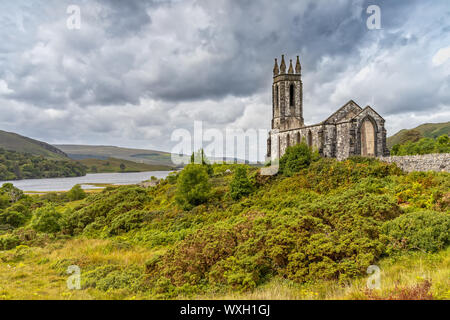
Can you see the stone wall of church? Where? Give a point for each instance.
(344, 140)
(293, 137)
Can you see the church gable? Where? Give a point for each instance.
(345, 113)
(368, 111)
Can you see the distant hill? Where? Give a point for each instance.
(15, 142)
(114, 165)
(427, 130)
(79, 152)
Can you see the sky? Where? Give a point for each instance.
(136, 71)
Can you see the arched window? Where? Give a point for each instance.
(291, 95)
(298, 137)
(310, 138)
(288, 141)
(276, 96)
(368, 138)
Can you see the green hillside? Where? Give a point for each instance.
(153, 157)
(225, 231)
(15, 142)
(114, 165)
(17, 165)
(427, 130)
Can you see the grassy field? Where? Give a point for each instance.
(113, 165)
(40, 273)
(309, 235)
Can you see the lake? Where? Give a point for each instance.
(65, 184)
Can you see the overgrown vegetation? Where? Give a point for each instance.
(215, 229)
(422, 146)
(16, 165)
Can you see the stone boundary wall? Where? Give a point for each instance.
(427, 162)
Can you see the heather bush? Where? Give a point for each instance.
(101, 209)
(46, 219)
(8, 242)
(16, 215)
(425, 230)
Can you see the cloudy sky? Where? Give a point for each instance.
(135, 71)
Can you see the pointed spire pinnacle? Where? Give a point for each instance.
(291, 69)
(276, 71)
(283, 65)
(298, 67)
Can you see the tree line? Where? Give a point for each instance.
(16, 165)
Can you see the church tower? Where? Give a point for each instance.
(287, 96)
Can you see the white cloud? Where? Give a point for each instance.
(442, 56)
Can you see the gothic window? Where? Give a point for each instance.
(276, 96)
(367, 139)
(298, 137)
(291, 95)
(310, 138)
(288, 141)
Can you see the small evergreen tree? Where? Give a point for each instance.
(76, 193)
(296, 158)
(193, 186)
(240, 185)
(46, 219)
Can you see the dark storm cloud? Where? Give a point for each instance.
(158, 65)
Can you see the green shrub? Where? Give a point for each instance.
(46, 219)
(14, 194)
(8, 242)
(76, 193)
(240, 185)
(130, 279)
(296, 158)
(423, 146)
(193, 187)
(425, 230)
(99, 210)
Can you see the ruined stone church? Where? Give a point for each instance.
(350, 131)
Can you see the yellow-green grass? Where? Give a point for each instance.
(404, 271)
(30, 273)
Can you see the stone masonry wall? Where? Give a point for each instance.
(427, 162)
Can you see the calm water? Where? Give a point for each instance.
(64, 184)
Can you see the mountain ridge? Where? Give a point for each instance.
(15, 142)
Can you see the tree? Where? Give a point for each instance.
(76, 193)
(423, 146)
(14, 193)
(296, 158)
(240, 185)
(199, 157)
(122, 166)
(193, 186)
(46, 219)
